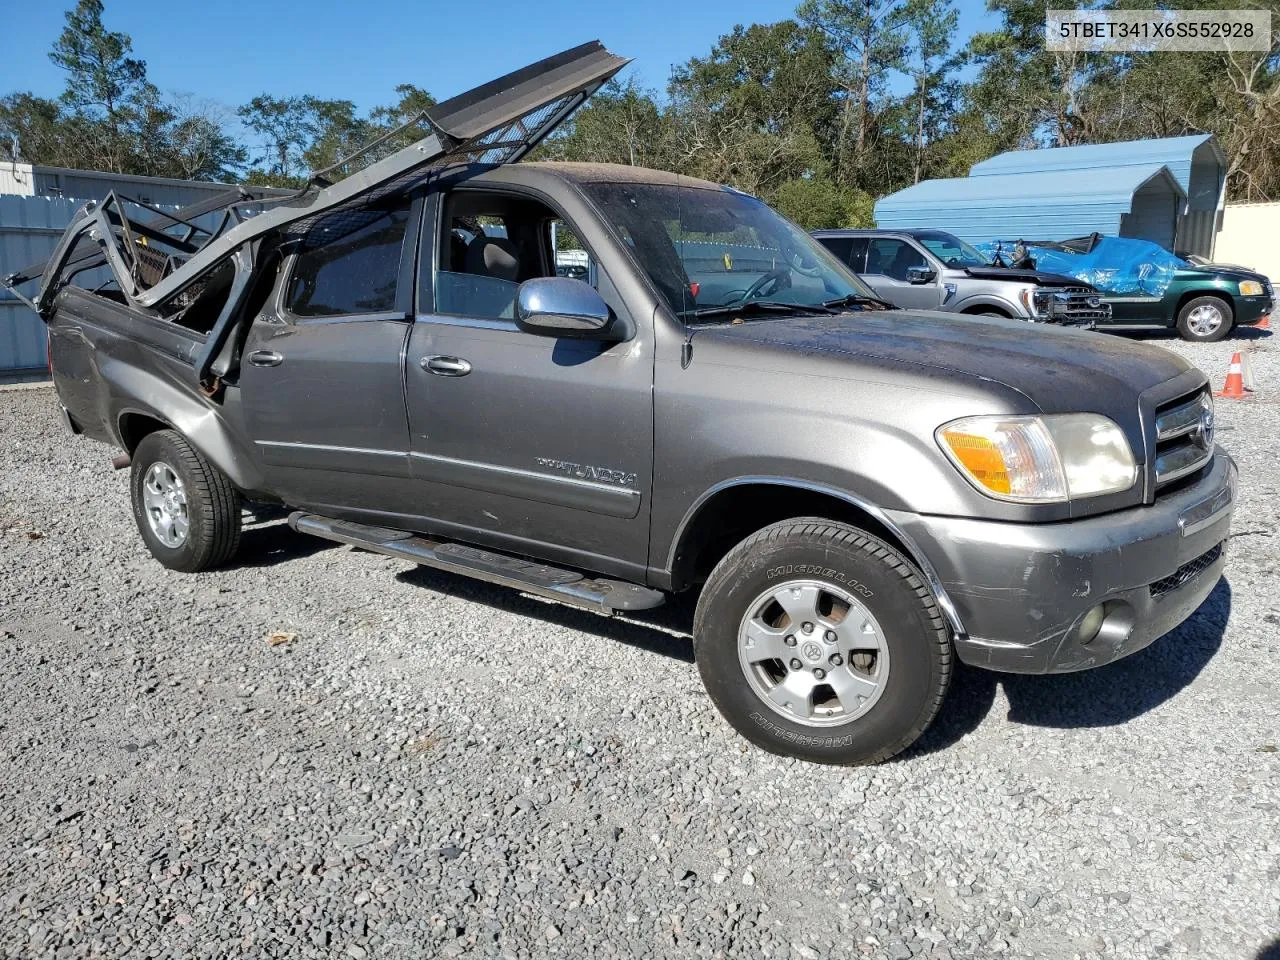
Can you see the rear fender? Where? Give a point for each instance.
(138, 392)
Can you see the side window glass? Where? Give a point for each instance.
(892, 258)
(479, 270)
(349, 263)
(858, 255)
(571, 256)
(840, 246)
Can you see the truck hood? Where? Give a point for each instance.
(1039, 277)
(1057, 370)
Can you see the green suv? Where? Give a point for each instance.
(1150, 288)
(1203, 302)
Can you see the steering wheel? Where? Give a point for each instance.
(774, 277)
(813, 271)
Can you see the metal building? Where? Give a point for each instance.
(1169, 191)
(29, 230)
(36, 180)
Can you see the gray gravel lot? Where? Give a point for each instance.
(436, 767)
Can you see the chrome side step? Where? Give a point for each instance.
(553, 583)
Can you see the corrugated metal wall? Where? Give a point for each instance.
(89, 185)
(29, 230)
(1196, 162)
(16, 179)
(1154, 216)
(1042, 205)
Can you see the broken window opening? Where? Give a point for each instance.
(198, 306)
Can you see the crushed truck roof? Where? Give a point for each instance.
(157, 257)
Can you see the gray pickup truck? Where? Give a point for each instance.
(935, 270)
(858, 496)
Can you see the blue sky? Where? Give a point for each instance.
(231, 50)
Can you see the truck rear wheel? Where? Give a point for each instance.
(187, 510)
(1205, 320)
(819, 641)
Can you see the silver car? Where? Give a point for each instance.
(934, 270)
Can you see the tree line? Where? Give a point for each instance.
(820, 114)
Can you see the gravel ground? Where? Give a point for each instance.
(435, 767)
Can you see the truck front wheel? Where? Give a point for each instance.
(187, 510)
(819, 641)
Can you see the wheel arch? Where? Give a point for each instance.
(132, 426)
(988, 308)
(1190, 295)
(168, 407)
(734, 509)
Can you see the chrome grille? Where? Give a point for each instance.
(1184, 437)
(1185, 573)
(1072, 305)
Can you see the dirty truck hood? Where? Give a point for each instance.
(1040, 278)
(1058, 370)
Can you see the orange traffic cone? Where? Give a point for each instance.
(1233, 389)
(1264, 323)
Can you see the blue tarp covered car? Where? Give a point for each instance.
(1147, 286)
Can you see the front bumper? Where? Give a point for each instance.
(1022, 591)
(1250, 310)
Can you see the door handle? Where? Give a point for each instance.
(265, 358)
(446, 366)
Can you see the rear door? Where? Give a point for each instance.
(888, 260)
(322, 378)
(528, 443)
(851, 251)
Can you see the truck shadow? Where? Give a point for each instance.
(1237, 333)
(1270, 952)
(1107, 696)
(268, 544)
(664, 630)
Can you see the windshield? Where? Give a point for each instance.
(706, 249)
(952, 251)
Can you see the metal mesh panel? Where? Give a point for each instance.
(333, 224)
(501, 144)
(1185, 573)
(504, 142)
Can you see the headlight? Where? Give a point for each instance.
(1040, 459)
(1250, 288)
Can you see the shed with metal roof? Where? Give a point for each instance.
(1166, 190)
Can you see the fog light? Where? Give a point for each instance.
(1088, 627)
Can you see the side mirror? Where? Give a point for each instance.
(564, 307)
(920, 274)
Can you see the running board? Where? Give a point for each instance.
(527, 576)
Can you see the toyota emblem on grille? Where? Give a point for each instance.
(1204, 429)
(1094, 302)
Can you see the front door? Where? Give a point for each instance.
(528, 443)
(888, 260)
(322, 368)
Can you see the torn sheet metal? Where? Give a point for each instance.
(498, 122)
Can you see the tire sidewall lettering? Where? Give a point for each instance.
(774, 729)
(830, 574)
